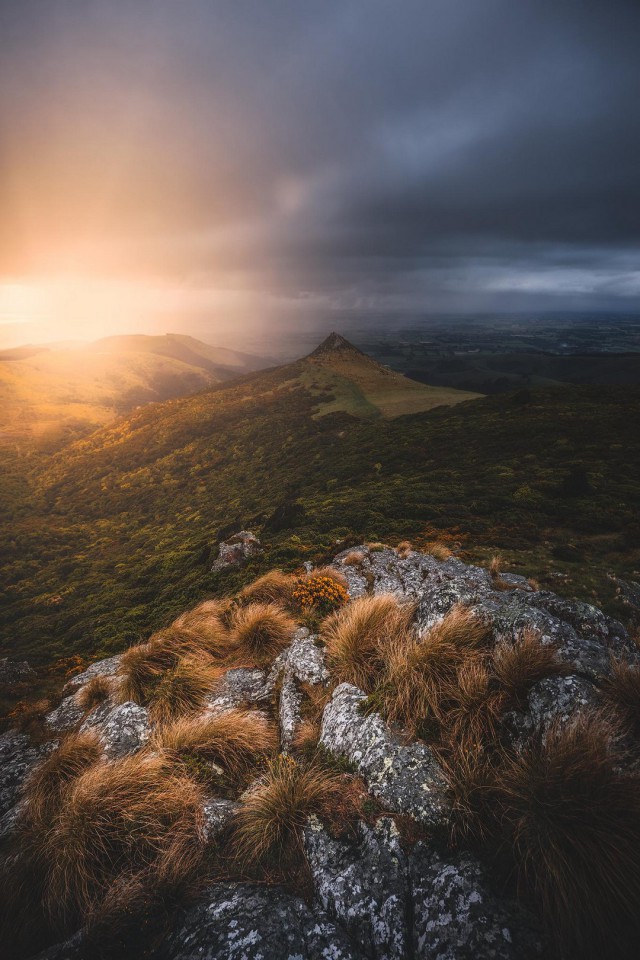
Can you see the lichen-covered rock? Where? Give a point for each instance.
(66, 715)
(123, 729)
(405, 777)
(237, 550)
(552, 699)
(301, 662)
(18, 755)
(362, 885)
(216, 815)
(101, 668)
(238, 686)
(457, 917)
(246, 922)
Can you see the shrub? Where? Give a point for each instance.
(261, 630)
(273, 587)
(572, 819)
(519, 665)
(622, 691)
(96, 691)
(319, 592)
(359, 635)
(270, 820)
(234, 740)
(182, 689)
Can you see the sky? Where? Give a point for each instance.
(219, 167)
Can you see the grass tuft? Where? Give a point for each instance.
(359, 636)
(519, 665)
(273, 587)
(261, 630)
(438, 550)
(269, 823)
(354, 558)
(96, 691)
(235, 740)
(571, 817)
(622, 691)
(46, 785)
(182, 689)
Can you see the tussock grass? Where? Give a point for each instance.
(519, 665)
(354, 558)
(29, 717)
(260, 631)
(121, 829)
(419, 675)
(496, 565)
(273, 587)
(96, 691)
(269, 823)
(571, 818)
(182, 689)
(48, 782)
(204, 627)
(143, 667)
(235, 740)
(358, 637)
(438, 550)
(622, 691)
(404, 548)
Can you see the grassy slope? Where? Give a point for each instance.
(115, 535)
(57, 394)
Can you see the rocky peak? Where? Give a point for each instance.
(333, 345)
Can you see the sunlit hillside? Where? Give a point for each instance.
(51, 394)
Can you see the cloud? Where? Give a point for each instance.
(350, 152)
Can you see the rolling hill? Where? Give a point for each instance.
(116, 533)
(51, 394)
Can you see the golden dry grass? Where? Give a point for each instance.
(260, 631)
(204, 627)
(272, 587)
(519, 665)
(419, 674)
(275, 810)
(182, 689)
(46, 784)
(404, 548)
(235, 740)
(96, 691)
(354, 558)
(358, 637)
(438, 550)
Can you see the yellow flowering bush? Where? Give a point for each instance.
(320, 593)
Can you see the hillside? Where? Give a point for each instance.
(52, 394)
(358, 384)
(115, 533)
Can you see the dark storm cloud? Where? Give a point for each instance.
(419, 149)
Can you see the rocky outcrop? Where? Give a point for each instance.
(244, 922)
(18, 756)
(405, 777)
(456, 916)
(371, 896)
(240, 548)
